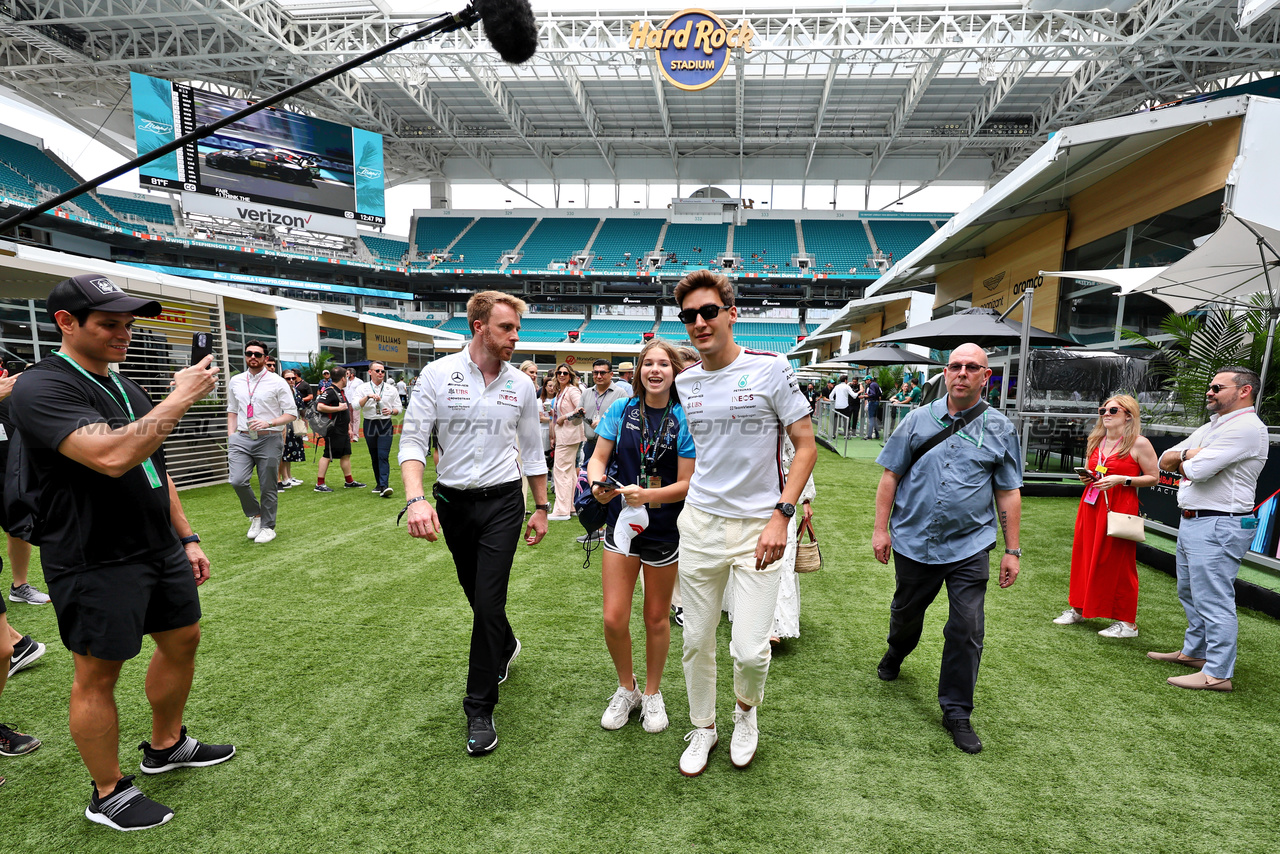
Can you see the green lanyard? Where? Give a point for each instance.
(153, 477)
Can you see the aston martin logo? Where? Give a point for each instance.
(993, 282)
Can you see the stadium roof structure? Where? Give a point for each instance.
(870, 92)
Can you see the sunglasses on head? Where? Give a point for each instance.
(706, 312)
(1108, 410)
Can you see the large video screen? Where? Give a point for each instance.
(271, 157)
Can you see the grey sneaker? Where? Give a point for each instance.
(322, 487)
(27, 593)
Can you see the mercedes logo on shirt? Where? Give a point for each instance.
(456, 377)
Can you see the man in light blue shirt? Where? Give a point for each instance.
(944, 510)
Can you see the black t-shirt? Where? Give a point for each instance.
(301, 391)
(88, 519)
(333, 396)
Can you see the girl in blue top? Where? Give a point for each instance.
(647, 438)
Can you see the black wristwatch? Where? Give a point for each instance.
(194, 538)
(544, 507)
(788, 510)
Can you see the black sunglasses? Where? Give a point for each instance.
(254, 354)
(1215, 388)
(1103, 410)
(707, 312)
(562, 373)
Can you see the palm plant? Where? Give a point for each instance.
(317, 364)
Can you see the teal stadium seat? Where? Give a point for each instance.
(35, 164)
(762, 242)
(481, 248)
(434, 234)
(385, 248)
(555, 240)
(607, 330)
(899, 237)
(158, 213)
(620, 235)
(685, 239)
(838, 246)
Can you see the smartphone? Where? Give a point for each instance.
(607, 483)
(201, 346)
(1085, 473)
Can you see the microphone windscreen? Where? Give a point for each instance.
(510, 28)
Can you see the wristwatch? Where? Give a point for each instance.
(546, 507)
(788, 510)
(1014, 552)
(194, 538)
(1128, 481)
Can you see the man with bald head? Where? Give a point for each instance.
(948, 470)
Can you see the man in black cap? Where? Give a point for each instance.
(118, 553)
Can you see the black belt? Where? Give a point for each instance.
(448, 493)
(1196, 514)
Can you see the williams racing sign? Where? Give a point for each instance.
(692, 47)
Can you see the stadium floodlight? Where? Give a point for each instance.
(508, 24)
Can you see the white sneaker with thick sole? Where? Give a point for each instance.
(558, 518)
(266, 535)
(1068, 617)
(653, 713)
(255, 527)
(746, 736)
(623, 702)
(1120, 629)
(701, 742)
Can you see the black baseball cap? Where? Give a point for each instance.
(96, 292)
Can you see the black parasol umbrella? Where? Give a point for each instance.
(889, 354)
(981, 326)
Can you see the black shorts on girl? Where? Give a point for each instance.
(650, 552)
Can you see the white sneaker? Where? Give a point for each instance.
(1120, 629)
(558, 518)
(293, 481)
(746, 735)
(266, 535)
(623, 702)
(1068, 617)
(653, 712)
(694, 759)
(255, 527)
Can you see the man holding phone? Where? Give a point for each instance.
(260, 405)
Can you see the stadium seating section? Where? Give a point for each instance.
(436, 233)
(455, 324)
(35, 164)
(695, 245)
(385, 248)
(636, 235)
(481, 248)
(555, 240)
(153, 212)
(837, 245)
(897, 237)
(764, 242)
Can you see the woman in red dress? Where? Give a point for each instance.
(1104, 571)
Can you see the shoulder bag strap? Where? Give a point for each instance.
(945, 433)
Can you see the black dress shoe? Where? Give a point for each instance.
(889, 667)
(963, 735)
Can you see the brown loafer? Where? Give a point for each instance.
(1200, 682)
(1177, 658)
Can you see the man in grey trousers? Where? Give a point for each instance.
(260, 406)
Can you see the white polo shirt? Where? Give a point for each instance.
(737, 417)
(841, 396)
(269, 393)
(372, 410)
(476, 424)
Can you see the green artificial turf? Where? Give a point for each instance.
(334, 658)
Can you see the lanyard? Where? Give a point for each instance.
(649, 452)
(253, 390)
(153, 477)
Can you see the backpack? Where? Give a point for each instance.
(21, 494)
(320, 422)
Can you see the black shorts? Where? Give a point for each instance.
(337, 444)
(105, 611)
(650, 552)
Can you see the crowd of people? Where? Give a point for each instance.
(700, 468)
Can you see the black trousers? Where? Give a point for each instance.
(918, 585)
(377, 435)
(482, 534)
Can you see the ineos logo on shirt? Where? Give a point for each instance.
(456, 377)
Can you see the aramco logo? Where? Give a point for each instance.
(692, 47)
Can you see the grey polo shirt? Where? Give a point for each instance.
(595, 405)
(944, 509)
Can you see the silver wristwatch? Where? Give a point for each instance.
(1014, 552)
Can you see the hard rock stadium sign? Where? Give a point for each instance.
(692, 47)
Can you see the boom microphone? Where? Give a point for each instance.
(510, 28)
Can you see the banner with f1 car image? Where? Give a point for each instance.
(273, 157)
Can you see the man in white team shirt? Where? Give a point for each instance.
(738, 519)
(379, 401)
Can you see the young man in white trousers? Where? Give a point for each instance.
(738, 520)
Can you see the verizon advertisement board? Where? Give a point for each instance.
(275, 216)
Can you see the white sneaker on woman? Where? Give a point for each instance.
(623, 702)
(1120, 629)
(1068, 617)
(653, 712)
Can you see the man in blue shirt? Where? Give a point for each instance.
(944, 526)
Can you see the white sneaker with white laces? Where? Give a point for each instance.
(746, 735)
(255, 527)
(701, 742)
(653, 712)
(1068, 617)
(623, 702)
(1120, 629)
(266, 535)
